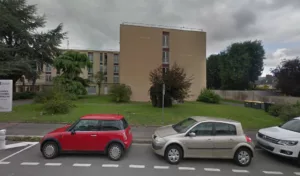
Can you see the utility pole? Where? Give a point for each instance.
(163, 102)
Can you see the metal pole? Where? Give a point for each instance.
(163, 102)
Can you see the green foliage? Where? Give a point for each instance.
(209, 96)
(24, 50)
(176, 82)
(285, 111)
(73, 87)
(288, 74)
(120, 93)
(23, 95)
(236, 68)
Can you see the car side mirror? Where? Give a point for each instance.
(72, 132)
(192, 134)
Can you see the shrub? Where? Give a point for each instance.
(120, 93)
(209, 96)
(57, 106)
(42, 97)
(285, 111)
(23, 95)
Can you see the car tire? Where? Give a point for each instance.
(50, 150)
(115, 151)
(173, 154)
(243, 156)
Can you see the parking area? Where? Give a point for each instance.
(139, 159)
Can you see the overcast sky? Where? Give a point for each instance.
(94, 24)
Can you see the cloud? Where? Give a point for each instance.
(275, 58)
(94, 24)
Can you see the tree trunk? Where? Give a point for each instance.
(99, 89)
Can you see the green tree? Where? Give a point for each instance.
(71, 64)
(22, 47)
(288, 74)
(99, 77)
(213, 71)
(177, 85)
(241, 65)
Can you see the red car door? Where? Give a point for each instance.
(83, 137)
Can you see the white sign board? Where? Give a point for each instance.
(6, 95)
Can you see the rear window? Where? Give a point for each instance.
(114, 125)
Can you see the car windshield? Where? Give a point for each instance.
(184, 125)
(292, 125)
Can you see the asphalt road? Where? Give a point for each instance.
(139, 160)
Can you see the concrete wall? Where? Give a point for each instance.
(256, 95)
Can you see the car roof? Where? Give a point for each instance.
(215, 119)
(103, 117)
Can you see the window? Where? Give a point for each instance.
(105, 70)
(105, 79)
(124, 123)
(87, 125)
(184, 125)
(116, 69)
(101, 68)
(58, 72)
(48, 78)
(105, 58)
(165, 58)
(203, 129)
(48, 68)
(90, 70)
(101, 58)
(224, 129)
(292, 125)
(116, 79)
(90, 77)
(165, 69)
(165, 40)
(90, 55)
(116, 58)
(111, 125)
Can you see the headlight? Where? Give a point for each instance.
(159, 140)
(289, 143)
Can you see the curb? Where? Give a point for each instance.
(28, 138)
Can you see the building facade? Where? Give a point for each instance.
(105, 61)
(145, 48)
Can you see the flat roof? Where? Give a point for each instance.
(103, 117)
(163, 26)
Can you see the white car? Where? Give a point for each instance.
(283, 140)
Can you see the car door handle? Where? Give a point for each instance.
(209, 139)
(93, 135)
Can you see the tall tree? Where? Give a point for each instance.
(22, 48)
(241, 65)
(213, 71)
(71, 64)
(177, 85)
(99, 78)
(288, 76)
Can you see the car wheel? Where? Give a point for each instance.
(243, 156)
(115, 151)
(50, 150)
(173, 154)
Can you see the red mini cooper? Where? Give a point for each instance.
(107, 133)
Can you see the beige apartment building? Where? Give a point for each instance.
(104, 61)
(145, 47)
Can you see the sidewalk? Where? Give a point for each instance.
(140, 134)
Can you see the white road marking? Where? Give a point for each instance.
(30, 163)
(186, 168)
(110, 165)
(297, 173)
(137, 166)
(81, 165)
(212, 169)
(4, 162)
(161, 167)
(18, 152)
(53, 164)
(240, 171)
(273, 172)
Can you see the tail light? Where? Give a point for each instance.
(248, 139)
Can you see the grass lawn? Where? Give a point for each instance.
(233, 101)
(143, 113)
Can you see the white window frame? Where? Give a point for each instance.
(116, 58)
(91, 57)
(116, 69)
(48, 68)
(48, 77)
(166, 56)
(116, 77)
(165, 41)
(101, 70)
